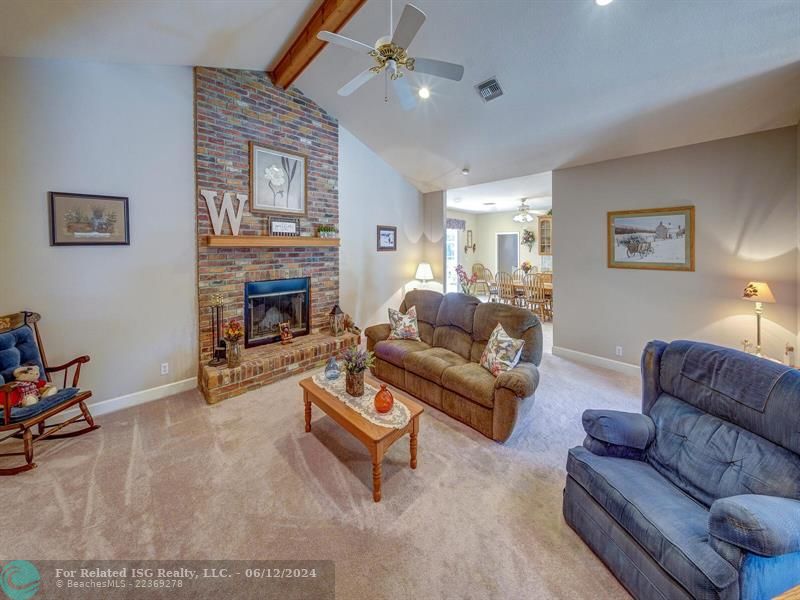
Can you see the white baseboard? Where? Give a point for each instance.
(597, 361)
(135, 399)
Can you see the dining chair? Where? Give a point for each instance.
(536, 296)
(518, 275)
(480, 272)
(491, 285)
(505, 287)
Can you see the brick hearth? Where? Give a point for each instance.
(232, 109)
(265, 364)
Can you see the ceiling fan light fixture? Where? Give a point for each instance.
(465, 171)
(424, 93)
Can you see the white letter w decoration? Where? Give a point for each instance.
(218, 216)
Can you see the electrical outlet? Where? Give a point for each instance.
(164, 368)
(618, 351)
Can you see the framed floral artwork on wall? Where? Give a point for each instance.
(277, 181)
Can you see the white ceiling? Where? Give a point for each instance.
(241, 34)
(582, 83)
(504, 195)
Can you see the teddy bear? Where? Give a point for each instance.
(30, 389)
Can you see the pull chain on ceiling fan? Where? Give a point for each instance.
(391, 57)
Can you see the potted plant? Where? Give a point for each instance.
(356, 361)
(466, 282)
(234, 333)
(326, 231)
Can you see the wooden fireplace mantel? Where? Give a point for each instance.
(269, 241)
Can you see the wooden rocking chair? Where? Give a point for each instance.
(20, 344)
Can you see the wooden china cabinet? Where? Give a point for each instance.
(546, 235)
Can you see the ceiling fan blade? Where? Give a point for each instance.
(408, 26)
(356, 82)
(404, 93)
(438, 68)
(344, 42)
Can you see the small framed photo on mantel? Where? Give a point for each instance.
(387, 238)
(653, 238)
(88, 220)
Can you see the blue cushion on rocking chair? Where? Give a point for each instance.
(20, 413)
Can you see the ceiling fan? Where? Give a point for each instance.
(391, 57)
(524, 212)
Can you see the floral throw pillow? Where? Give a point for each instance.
(502, 352)
(404, 326)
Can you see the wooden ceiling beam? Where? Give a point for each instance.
(331, 15)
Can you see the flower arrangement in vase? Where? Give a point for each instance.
(466, 282)
(233, 334)
(356, 361)
(526, 266)
(528, 239)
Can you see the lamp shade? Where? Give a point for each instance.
(758, 291)
(424, 272)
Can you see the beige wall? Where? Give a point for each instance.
(745, 193)
(434, 210)
(371, 193)
(489, 225)
(102, 129)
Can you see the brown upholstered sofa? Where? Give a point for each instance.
(443, 368)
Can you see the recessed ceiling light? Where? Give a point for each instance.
(603, 2)
(465, 171)
(424, 93)
(489, 203)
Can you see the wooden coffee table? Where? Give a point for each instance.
(377, 439)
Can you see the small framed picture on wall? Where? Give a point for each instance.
(387, 238)
(88, 220)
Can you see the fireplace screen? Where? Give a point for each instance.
(267, 304)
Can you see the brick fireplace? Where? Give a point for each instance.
(232, 108)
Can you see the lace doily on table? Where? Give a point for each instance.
(397, 418)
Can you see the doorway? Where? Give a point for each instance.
(507, 251)
(451, 261)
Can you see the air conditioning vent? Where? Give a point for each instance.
(489, 89)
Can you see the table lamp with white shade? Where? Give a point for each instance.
(424, 273)
(758, 292)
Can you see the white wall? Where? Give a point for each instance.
(745, 192)
(371, 193)
(112, 130)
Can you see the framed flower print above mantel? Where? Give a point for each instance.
(277, 181)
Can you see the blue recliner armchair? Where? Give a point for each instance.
(699, 496)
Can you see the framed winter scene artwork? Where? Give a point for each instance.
(653, 238)
(88, 220)
(277, 181)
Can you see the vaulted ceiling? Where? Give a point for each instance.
(582, 83)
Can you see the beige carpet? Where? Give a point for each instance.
(179, 479)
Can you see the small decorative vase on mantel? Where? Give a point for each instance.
(356, 361)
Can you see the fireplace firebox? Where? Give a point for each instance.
(267, 304)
